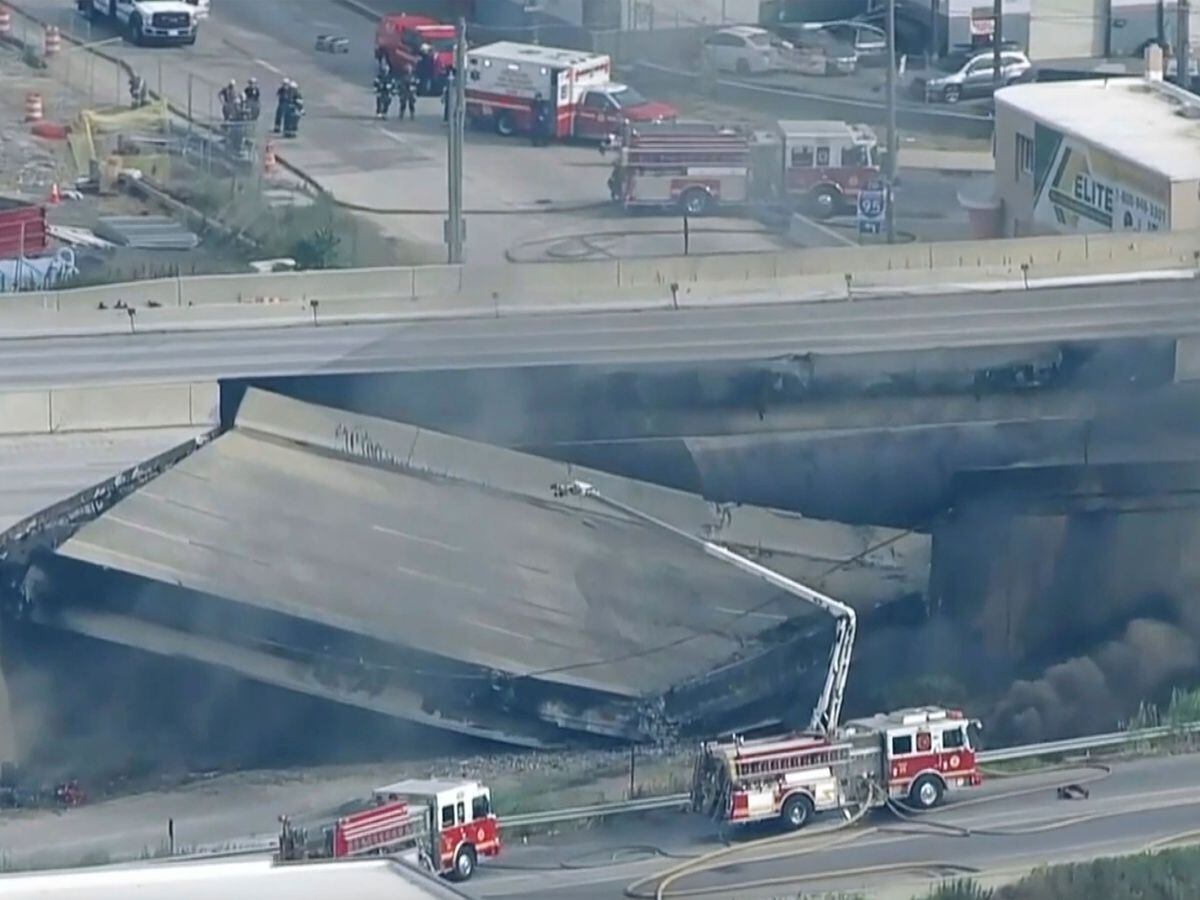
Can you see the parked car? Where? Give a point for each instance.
(868, 41)
(966, 76)
(747, 50)
(831, 56)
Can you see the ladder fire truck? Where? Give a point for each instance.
(443, 825)
(912, 755)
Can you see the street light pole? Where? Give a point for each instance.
(1183, 63)
(893, 140)
(997, 40)
(456, 133)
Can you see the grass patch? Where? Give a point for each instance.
(1167, 875)
(317, 234)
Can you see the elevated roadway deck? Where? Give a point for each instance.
(380, 556)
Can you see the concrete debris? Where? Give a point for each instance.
(545, 637)
(147, 233)
(78, 237)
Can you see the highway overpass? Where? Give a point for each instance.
(434, 579)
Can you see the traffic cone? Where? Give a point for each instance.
(55, 197)
(269, 157)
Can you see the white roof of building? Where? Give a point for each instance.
(510, 51)
(1131, 118)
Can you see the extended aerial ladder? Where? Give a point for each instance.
(828, 709)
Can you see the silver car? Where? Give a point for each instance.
(967, 76)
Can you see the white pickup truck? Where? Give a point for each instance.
(151, 21)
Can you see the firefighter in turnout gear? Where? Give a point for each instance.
(138, 91)
(425, 71)
(292, 112)
(230, 99)
(282, 98)
(383, 94)
(406, 90)
(539, 134)
(252, 100)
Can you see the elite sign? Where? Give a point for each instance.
(1083, 189)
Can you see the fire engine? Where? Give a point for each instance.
(504, 78)
(445, 825)
(821, 165)
(914, 755)
(400, 38)
(695, 166)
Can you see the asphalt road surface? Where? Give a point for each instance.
(389, 165)
(750, 332)
(1006, 827)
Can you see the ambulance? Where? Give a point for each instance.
(504, 78)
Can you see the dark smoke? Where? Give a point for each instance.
(1091, 693)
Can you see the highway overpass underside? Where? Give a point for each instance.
(864, 437)
(1077, 586)
(432, 579)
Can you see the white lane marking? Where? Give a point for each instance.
(504, 631)
(391, 135)
(268, 66)
(413, 537)
(457, 585)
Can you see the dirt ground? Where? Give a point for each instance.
(240, 810)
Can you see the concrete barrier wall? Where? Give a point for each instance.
(1187, 359)
(452, 290)
(25, 412)
(110, 408)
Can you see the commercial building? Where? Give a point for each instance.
(1120, 154)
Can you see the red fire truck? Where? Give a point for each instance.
(400, 39)
(695, 166)
(504, 78)
(914, 756)
(444, 825)
(698, 166)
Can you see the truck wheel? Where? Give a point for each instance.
(824, 202)
(696, 201)
(926, 793)
(135, 30)
(464, 863)
(505, 127)
(797, 810)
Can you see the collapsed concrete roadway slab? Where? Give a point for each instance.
(436, 579)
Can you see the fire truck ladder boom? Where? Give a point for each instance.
(827, 712)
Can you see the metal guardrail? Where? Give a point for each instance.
(783, 100)
(677, 801)
(1091, 742)
(619, 807)
(1004, 754)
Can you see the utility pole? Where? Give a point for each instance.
(1183, 52)
(456, 133)
(893, 139)
(997, 40)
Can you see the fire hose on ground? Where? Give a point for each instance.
(810, 842)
